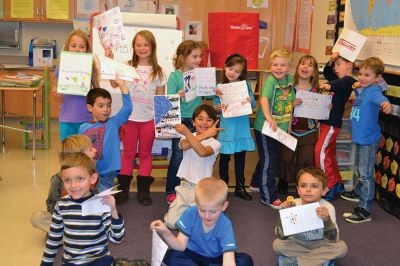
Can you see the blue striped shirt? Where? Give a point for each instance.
(84, 238)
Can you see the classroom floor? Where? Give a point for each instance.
(24, 185)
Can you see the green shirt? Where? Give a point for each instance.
(279, 100)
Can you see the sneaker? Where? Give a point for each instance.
(274, 205)
(254, 189)
(171, 198)
(335, 190)
(350, 196)
(359, 216)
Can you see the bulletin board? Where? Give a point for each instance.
(380, 22)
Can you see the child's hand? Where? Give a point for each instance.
(120, 82)
(288, 203)
(159, 226)
(323, 213)
(213, 131)
(110, 201)
(386, 107)
(272, 124)
(325, 86)
(181, 93)
(297, 102)
(218, 93)
(109, 53)
(249, 99)
(182, 129)
(330, 106)
(356, 85)
(333, 57)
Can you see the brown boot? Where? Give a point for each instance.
(124, 182)
(143, 188)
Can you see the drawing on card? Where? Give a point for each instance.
(234, 99)
(110, 28)
(167, 114)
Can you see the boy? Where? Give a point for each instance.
(206, 235)
(200, 150)
(104, 131)
(338, 71)
(276, 108)
(84, 238)
(366, 134)
(75, 143)
(314, 247)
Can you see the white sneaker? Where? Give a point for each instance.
(254, 189)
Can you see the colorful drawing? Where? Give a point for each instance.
(110, 28)
(167, 114)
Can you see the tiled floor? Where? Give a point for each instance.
(24, 185)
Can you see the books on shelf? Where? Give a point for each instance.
(20, 80)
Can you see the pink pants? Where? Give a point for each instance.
(134, 132)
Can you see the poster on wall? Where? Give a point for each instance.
(304, 27)
(137, 6)
(87, 7)
(290, 26)
(194, 30)
(168, 9)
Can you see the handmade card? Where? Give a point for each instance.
(234, 99)
(158, 249)
(109, 68)
(167, 114)
(95, 205)
(189, 83)
(349, 44)
(314, 105)
(110, 28)
(281, 136)
(205, 81)
(75, 73)
(300, 219)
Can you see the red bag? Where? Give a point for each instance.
(233, 32)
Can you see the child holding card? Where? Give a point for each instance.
(314, 247)
(84, 238)
(236, 139)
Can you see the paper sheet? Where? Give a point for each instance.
(189, 81)
(205, 81)
(22, 9)
(300, 219)
(234, 99)
(95, 205)
(167, 114)
(57, 9)
(110, 28)
(158, 249)
(109, 68)
(314, 105)
(349, 44)
(281, 136)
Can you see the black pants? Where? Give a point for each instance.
(240, 158)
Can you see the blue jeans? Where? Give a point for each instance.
(191, 258)
(265, 172)
(176, 159)
(364, 169)
(106, 180)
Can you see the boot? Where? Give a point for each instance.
(240, 191)
(124, 182)
(143, 188)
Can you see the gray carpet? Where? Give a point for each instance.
(370, 244)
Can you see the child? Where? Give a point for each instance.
(276, 108)
(83, 238)
(206, 235)
(366, 134)
(138, 133)
(75, 143)
(236, 139)
(315, 247)
(200, 150)
(104, 131)
(304, 129)
(188, 57)
(73, 112)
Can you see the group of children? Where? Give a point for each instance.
(197, 200)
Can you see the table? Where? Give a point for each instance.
(34, 91)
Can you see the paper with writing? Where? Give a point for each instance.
(167, 114)
(110, 28)
(109, 68)
(314, 105)
(94, 205)
(281, 136)
(234, 99)
(349, 44)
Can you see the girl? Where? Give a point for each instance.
(138, 134)
(73, 110)
(188, 57)
(236, 139)
(304, 129)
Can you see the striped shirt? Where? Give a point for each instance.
(84, 238)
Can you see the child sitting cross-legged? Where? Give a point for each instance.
(206, 235)
(315, 247)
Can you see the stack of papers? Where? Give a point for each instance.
(20, 80)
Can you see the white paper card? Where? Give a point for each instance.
(189, 81)
(349, 44)
(167, 114)
(109, 68)
(300, 219)
(158, 249)
(94, 205)
(234, 99)
(281, 136)
(110, 28)
(205, 81)
(314, 105)
(75, 78)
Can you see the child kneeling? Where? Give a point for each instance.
(206, 235)
(314, 247)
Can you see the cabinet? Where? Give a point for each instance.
(39, 10)
(345, 152)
